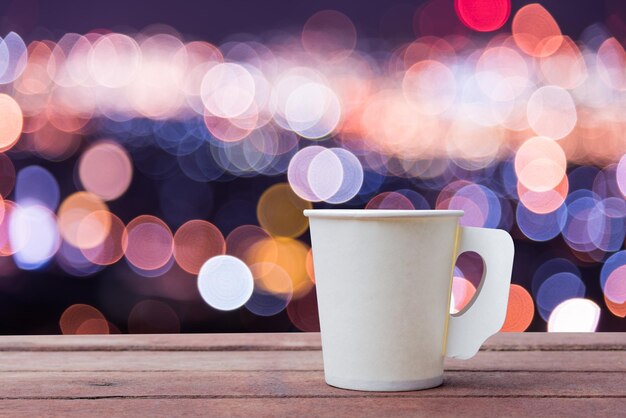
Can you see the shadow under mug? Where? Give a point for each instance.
(384, 279)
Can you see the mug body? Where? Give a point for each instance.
(383, 282)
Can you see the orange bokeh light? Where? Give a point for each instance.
(195, 242)
(11, 122)
(279, 211)
(83, 319)
(309, 265)
(272, 278)
(287, 253)
(540, 164)
(77, 226)
(617, 309)
(520, 311)
(543, 202)
(535, 31)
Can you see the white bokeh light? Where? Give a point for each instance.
(225, 282)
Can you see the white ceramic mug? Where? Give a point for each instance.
(384, 281)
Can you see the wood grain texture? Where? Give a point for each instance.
(609, 361)
(305, 384)
(287, 341)
(281, 375)
(317, 407)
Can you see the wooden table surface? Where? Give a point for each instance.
(255, 375)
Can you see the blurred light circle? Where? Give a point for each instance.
(71, 214)
(615, 285)
(78, 314)
(110, 231)
(502, 74)
(246, 241)
(263, 303)
(94, 228)
(549, 268)
(7, 209)
(271, 277)
(580, 209)
(481, 206)
(535, 31)
(483, 16)
(520, 310)
(195, 242)
(610, 63)
(272, 289)
(552, 112)
(582, 178)
(617, 309)
(390, 200)
(605, 184)
(309, 265)
(115, 59)
(105, 170)
(566, 67)
(153, 317)
(73, 261)
(7, 176)
(225, 282)
(36, 185)
(329, 34)
(313, 110)
(298, 172)
(227, 90)
(431, 86)
(557, 288)
(543, 202)
(620, 174)
(417, 200)
(606, 226)
(613, 277)
(230, 130)
(94, 327)
(325, 174)
(55, 145)
(462, 293)
(352, 176)
(15, 57)
(148, 242)
(290, 255)
(33, 232)
(540, 164)
(11, 122)
(538, 226)
(574, 315)
(303, 312)
(279, 211)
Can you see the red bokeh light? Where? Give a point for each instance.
(483, 15)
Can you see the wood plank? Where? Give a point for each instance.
(320, 407)
(163, 342)
(609, 361)
(305, 384)
(288, 341)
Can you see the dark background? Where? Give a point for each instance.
(216, 20)
(32, 302)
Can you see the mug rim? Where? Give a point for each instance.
(380, 213)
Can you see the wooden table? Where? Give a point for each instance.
(253, 375)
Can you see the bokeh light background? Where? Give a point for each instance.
(153, 179)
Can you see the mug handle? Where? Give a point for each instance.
(485, 314)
